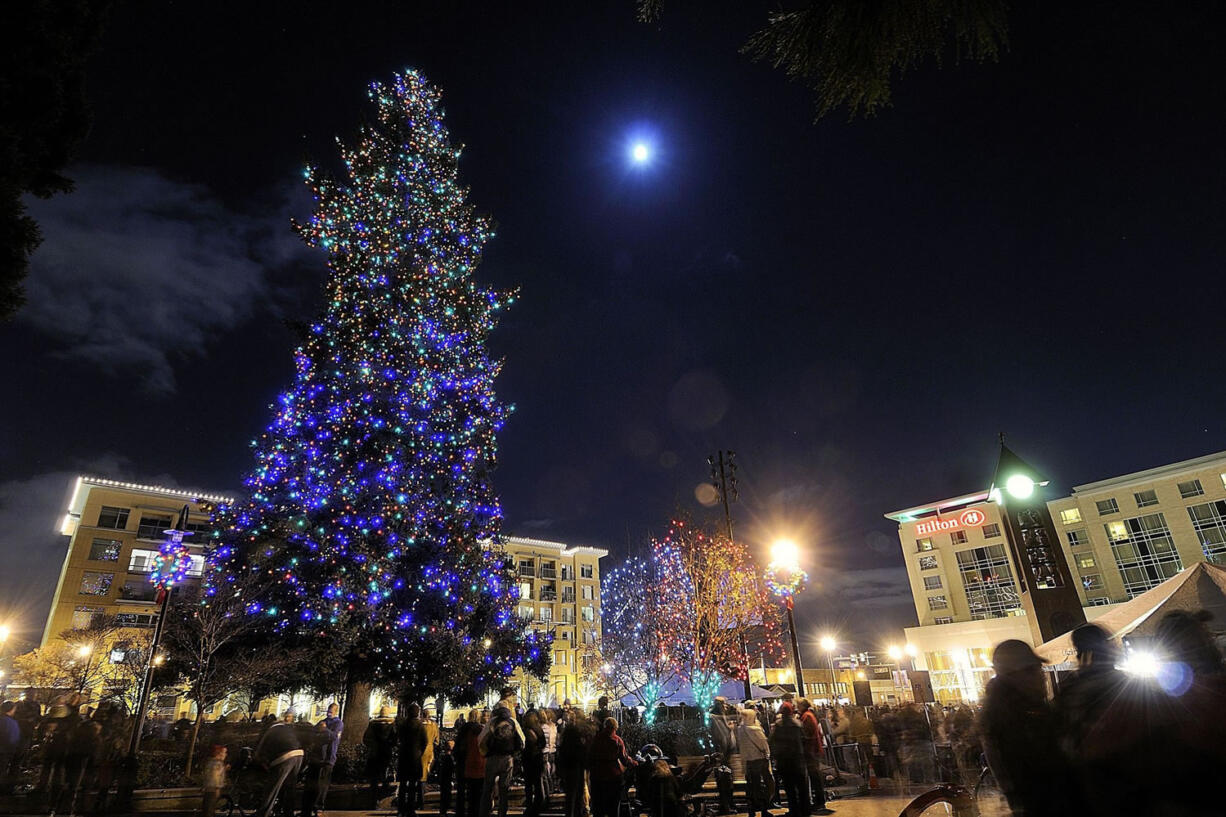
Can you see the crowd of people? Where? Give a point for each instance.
(1111, 742)
(1099, 741)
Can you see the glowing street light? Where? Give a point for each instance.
(640, 152)
(829, 645)
(5, 632)
(785, 578)
(895, 652)
(1020, 486)
(84, 650)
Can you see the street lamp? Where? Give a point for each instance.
(170, 567)
(829, 645)
(785, 578)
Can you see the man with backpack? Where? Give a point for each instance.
(499, 741)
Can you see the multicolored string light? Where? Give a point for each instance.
(371, 501)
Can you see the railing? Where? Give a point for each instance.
(548, 573)
(549, 595)
(527, 570)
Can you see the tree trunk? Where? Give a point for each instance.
(191, 744)
(357, 712)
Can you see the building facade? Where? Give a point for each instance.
(115, 529)
(1121, 536)
(559, 588)
(1128, 534)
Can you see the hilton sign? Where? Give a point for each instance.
(967, 519)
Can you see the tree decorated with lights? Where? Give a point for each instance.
(632, 646)
(371, 501)
(701, 599)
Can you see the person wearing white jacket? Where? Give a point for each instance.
(755, 751)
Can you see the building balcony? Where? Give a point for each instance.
(548, 595)
(549, 573)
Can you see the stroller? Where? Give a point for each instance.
(674, 794)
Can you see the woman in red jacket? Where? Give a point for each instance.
(607, 760)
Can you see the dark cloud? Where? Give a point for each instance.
(139, 271)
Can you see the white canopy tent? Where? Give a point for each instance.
(1200, 587)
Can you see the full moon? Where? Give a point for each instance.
(640, 152)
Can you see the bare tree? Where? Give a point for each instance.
(209, 646)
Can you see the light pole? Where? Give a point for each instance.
(170, 567)
(723, 479)
(829, 645)
(785, 578)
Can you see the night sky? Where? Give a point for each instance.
(856, 308)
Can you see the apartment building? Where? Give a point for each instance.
(115, 529)
(559, 587)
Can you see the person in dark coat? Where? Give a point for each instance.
(279, 751)
(787, 747)
(321, 760)
(1082, 708)
(411, 740)
(380, 742)
(10, 743)
(470, 766)
(444, 769)
(534, 764)
(607, 763)
(573, 747)
(1020, 736)
(663, 791)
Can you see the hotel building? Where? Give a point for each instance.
(1121, 537)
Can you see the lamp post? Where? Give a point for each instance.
(785, 578)
(829, 645)
(170, 567)
(723, 479)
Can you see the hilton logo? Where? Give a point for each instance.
(966, 519)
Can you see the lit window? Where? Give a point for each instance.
(1223, 476)
(1144, 552)
(525, 590)
(525, 612)
(153, 527)
(1189, 489)
(1209, 521)
(991, 531)
(943, 620)
(1072, 516)
(938, 603)
(589, 612)
(932, 582)
(588, 592)
(1145, 498)
(96, 584)
(928, 563)
(1092, 581)
(1086, 561)
(138, 590)
(923, 544)
(1078, 538)
(585, 571)
(141, 560)
(105, 550)
(958, 537)
(83, 617)
(546, 613)
(116, 518)
(1107, 506)
(987, 579)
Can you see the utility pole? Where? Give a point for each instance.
(723, 478)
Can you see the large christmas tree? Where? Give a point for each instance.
(371, 501)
